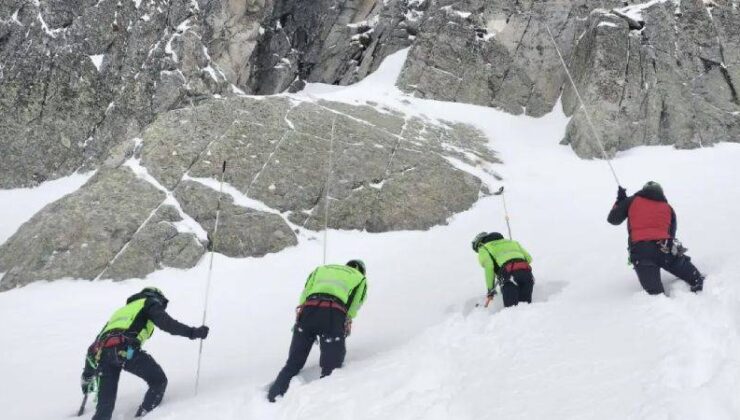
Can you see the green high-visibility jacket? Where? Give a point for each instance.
(124, 319)
(493, 255)
(343, 282)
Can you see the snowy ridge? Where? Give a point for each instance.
(592, 346)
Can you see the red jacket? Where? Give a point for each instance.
(649, 220)
(650, 217)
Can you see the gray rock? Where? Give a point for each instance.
(279, 151)
(242, 232)
(157, 245)
(668, 78)
(59, 112)
(495, 53)
(79, 234)
(328, 41)
(668, 83)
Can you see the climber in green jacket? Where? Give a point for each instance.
(330, 300)
(118, 347)
(508, 262)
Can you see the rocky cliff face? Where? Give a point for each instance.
(657, 72)
(669, 74)
(78, 78)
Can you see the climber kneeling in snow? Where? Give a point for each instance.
(118, 347)
(651, 224)
(507, 261)
(330, 300)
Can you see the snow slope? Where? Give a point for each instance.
(592, 346)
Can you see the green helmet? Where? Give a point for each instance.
(357, 264)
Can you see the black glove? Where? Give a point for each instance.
(199, 332)
(621, 193)
(491, 293)
(85, 383)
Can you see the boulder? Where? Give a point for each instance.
(78, 235)
(280, 152)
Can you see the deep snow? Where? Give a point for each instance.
(593, 346)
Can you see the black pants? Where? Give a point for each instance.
(648, 259)
(517, 287)
(142, 365)
(326, 324)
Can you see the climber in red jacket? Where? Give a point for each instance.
(651, 223)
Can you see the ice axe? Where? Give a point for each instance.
(81, 411)
(506, 210)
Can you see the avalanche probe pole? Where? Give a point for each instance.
(506, 210)
(210, 271)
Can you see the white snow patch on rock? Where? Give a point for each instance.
(14, 18)
(97, 60)
(635, 11)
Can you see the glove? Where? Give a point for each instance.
(491, 293)
(199, 332)
(85, 383)
(347, 327)
(621, 193)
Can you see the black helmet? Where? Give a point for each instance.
(652, 186)
(478, 240)
(485, 237)
(358, 265)
(154, 293)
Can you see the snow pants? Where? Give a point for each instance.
(142, 365)
(648, 258)
(516, 287)
(326, 324)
